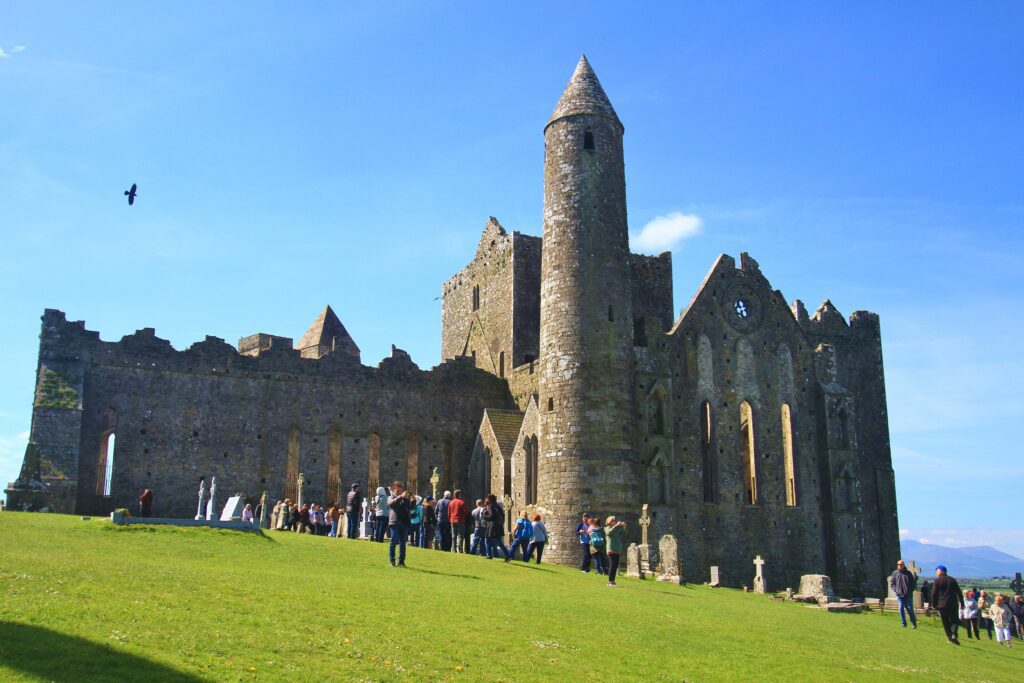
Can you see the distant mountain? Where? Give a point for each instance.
(975, 562)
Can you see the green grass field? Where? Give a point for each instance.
(86, 600)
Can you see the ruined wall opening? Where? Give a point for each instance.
(588, 139)
(476, 297)
(105, 465)
(748, 453)
(708, 460)
(412, 465)
(333, 466)
(373, 462)
(788, 457)
(291, 468)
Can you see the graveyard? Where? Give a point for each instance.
(92, 600)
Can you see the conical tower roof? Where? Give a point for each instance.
(325, 335)
(584, 95)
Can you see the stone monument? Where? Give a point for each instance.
(263, 519)
(668, 564)
(633, 562)
(759, 577)
(645, 547)
(715, 581)
(506, 500)
(232, 509)
(202, 494)
(435, 479)
(211, 504)
(1017, 584)
(815, 588)
(918, 601)
(299, 486)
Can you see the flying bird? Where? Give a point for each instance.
(131, 194)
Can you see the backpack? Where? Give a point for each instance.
(597, 539)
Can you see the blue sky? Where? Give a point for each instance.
(293, 156)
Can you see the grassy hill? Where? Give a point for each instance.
(91, 601)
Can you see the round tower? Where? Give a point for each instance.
(588, 420)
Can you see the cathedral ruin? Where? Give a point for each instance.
(747, 425)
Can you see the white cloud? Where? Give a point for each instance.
(17, 48)
(4, 55)
(665, 232)
(1008, 540)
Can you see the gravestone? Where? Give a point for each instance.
(633, 568)
(917, 600)
(435, 479)
(668, 553)
(263, 523)
(647, 561)
(299, 486)
(365, 520)
(202, 494)
(211, 504)
(232, 509)
(1017, 584)
(715, 581)
(759, 577)
(815, 588)
(509, 517)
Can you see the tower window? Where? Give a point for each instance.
(551, 404)
(476, 297)
(588, 140)
(611, 314)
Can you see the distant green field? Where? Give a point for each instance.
(91, 601)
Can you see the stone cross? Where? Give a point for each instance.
(913, 569)
(435, 479)
(301, 485)
(211, 504)
(1017, 584)
(759, 578)
(645, 522)
(507, 502)
(202, 494)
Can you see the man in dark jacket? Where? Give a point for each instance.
(902, 582)
(948, 599)
(444, 525)
(400, 505)
(353, 506)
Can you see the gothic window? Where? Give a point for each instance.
(412, 454)
(708, 461)
(373, 462)
(105, 468)
(530, 448)
(588, 140)
(658, 480)
(333, 466)
(488, 484)
(506, 473)
(291, 468)
(748, 453)
(476, 297)
(787, 454)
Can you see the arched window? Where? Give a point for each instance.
(291, 468)
(658, 480)
(789, 460)
(412, 453)
(748, 453)
(530, 446)
(373, 462)
(333, 466)
(708, 461)
(488, 470)
(588, 139)
(506, 470)
(105, 465)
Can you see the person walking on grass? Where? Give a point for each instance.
(399, 507)
(1001, 617)
(457, 519)
(479, 545)
(984, 604)
(598, 546)
(969, 614)
(583, 533)
(521, 536)
(353, 506)
(615, 533)
(444, 525)
(902, 582)
(1017, 609)
(948, 599)
(540, 538)
(494, 524)
(379, 507)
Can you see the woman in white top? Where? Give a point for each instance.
(540, 538)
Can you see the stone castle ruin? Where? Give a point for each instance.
(749, 427)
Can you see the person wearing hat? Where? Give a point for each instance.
(949, 600)
(353, 506)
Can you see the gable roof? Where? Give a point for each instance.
(328, 331)
(505, 425)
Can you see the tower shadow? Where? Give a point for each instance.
(48, 655)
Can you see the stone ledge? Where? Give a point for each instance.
(167, 521)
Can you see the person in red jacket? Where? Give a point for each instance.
(146, 504)
(457, 519)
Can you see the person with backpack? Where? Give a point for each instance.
(615, 532)
(583, 533)
(597, 546)
(522, 536)
(540, 538)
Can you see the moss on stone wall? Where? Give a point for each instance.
(55, 390)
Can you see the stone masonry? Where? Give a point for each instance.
(749, 427)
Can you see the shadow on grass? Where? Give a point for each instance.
(454, 576)
(49, 655)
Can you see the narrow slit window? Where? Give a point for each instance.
(708, 459)
(611, 314)
(748, 453)
(105, 471)
(788, 456)
(588, 140)
(476, 297)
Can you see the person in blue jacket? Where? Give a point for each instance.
(522, 536)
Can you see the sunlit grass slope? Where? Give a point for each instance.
(85, 600)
